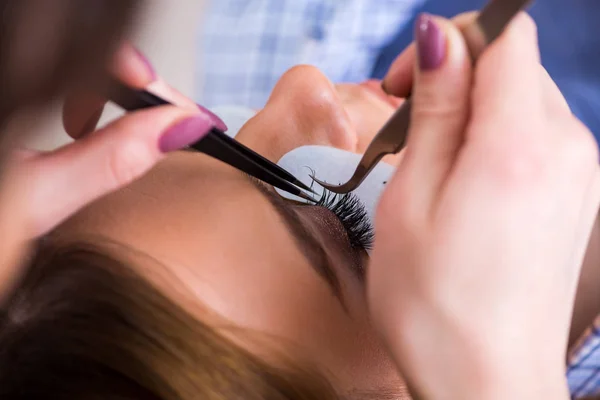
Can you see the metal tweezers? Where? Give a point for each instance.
(491, 22)
(217, 144)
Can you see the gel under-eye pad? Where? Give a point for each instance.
(335, 166)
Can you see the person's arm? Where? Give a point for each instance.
(481, 234)
(40, 190)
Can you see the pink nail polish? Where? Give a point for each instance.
(184, 133)
(431, 43)
(219, 124)
(146, 62)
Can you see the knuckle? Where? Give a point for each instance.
(428, 106)
(127, 160)
(525, 25)
(580, 150)
(465, 19)
(518, 163)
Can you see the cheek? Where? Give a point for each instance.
(368, 120)
(367, 112)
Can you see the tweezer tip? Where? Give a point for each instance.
(307, 197)
(304, 186)
(320, 182)
(339, 189)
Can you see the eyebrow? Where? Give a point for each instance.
(310, 246)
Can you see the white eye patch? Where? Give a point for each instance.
(328, 164)
(335, 166)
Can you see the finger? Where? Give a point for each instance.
(169, 93)
(22, 154)
(81, 113)
(507, 79)
(579, 148)
(75, 175)
(440, 106)
(399, 79)
(83, 109)
(375, 86)
(162, 89)
(556, 102)
(132, 67)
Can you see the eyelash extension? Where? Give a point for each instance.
(348, 209)
(353, 216)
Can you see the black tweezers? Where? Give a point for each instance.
(217, 144)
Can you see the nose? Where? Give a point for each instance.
(304, 109)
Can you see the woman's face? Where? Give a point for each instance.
(261, 263)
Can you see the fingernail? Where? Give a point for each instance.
(431, 43)
(218, 122)
(184, 133)
(383, 87)
(90, 125)
(146, 62)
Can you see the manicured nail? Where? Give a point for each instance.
(184, 133)
(431, 43)
(144, 60)
(219, 124)
(383, 87)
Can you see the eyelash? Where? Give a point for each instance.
(351, 213)
(353, 216)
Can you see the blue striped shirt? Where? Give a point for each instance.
(583, 372)
(249, 44)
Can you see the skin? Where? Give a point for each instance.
(216, 267)
(36, 187)
(253, 274)
(225, 282)
(499, 191)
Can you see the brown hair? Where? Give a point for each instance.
(81, 325)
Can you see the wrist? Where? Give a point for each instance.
(518, 383)
(488, 385)
(465, 370)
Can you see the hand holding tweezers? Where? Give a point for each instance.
(218, 145)
(490, 23)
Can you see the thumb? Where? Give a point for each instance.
(440, 107)
(64, 181)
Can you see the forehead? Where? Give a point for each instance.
(212, 229)
(187, 199)
(228, 252)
